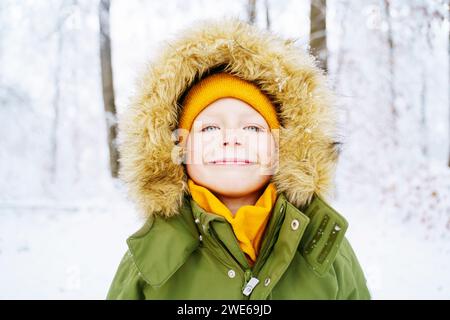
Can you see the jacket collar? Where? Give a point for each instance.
(319, 235)
(324, 235)
(321, 229)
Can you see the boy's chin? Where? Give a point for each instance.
(236, 185)
(234, 191)
(236, 174)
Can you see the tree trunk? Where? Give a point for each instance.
(108, 86)
(251, 11)
(448, 51)
(318, 32)
(391, 65)
(267, 14)
(56, 106)
(341, 54)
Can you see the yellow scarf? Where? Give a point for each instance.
(248, 223)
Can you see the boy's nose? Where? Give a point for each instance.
(231, 138)
(225, 143)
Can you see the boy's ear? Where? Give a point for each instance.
(176, 155)
(179, 138)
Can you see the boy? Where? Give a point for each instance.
(228, 150)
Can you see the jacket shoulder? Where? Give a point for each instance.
(127, 282)
(162, 245)
(327, 249)
(352, 282)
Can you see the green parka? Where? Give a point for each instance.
(183, 252)
(304, 255)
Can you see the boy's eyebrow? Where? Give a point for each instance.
(242, 117)
(243, 114)
(207, 118)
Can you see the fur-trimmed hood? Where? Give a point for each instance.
(287, 74)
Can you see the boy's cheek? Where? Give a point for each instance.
(266, 145)
(268, 155)
(209, 153)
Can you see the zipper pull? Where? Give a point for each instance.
(251, 284)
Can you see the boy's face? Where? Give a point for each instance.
(230, 149)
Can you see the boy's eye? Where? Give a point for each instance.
(254, 128)
(205, 129)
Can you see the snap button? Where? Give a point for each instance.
(295, 224)
(231, 273)
(266, 282)
(197, 220)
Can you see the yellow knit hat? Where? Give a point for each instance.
(222, 85)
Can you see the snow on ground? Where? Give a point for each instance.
(62, 250)
(399, 261)
(69, 250)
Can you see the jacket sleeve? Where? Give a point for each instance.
(127, 283)
(351, 280)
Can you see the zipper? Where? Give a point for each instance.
(265, 251)
(251, 284)
(249, 280)
(225, 250)
(247, 266)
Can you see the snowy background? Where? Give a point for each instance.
(64, 221)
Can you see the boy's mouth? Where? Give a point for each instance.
(231, 161)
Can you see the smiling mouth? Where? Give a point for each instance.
(232, 162)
